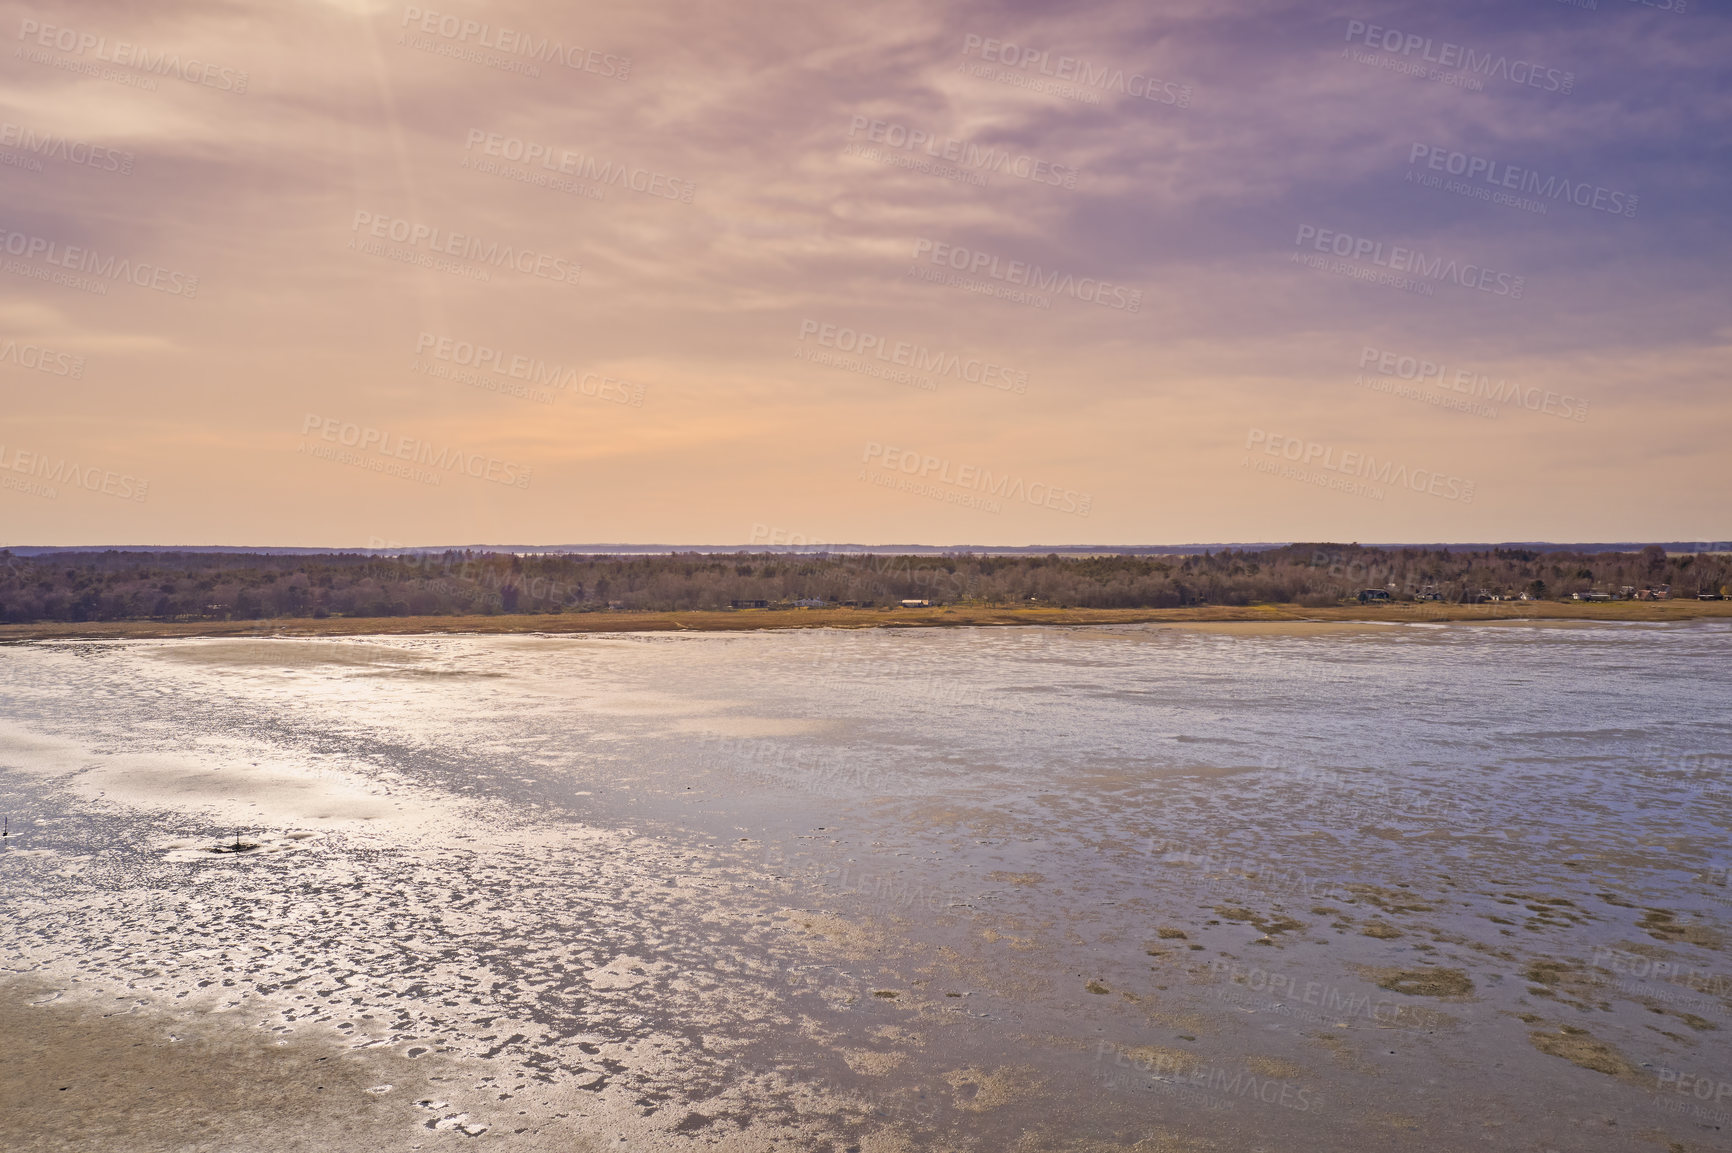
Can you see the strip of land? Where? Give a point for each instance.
(953, 616)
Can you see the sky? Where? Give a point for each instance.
(351, 273)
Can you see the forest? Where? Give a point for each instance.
(192, 586)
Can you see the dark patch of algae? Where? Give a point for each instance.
(1422, 982)
(1661, 924)
(1579, 1047)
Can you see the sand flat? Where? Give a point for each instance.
(939, 888)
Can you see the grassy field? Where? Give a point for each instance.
(869, 618)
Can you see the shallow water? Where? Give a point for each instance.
(1097, 888)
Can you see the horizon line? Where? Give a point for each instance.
(618, 548)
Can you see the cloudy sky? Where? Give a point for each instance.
(353, 272)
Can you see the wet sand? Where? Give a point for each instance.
(569, 891)
(119, 1077)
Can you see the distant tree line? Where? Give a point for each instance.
(183, 586)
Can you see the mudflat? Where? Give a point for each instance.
(1321, 886)
(116, 1075)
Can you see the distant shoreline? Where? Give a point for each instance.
(962, 616)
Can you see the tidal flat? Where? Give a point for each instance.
(1127, 886)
